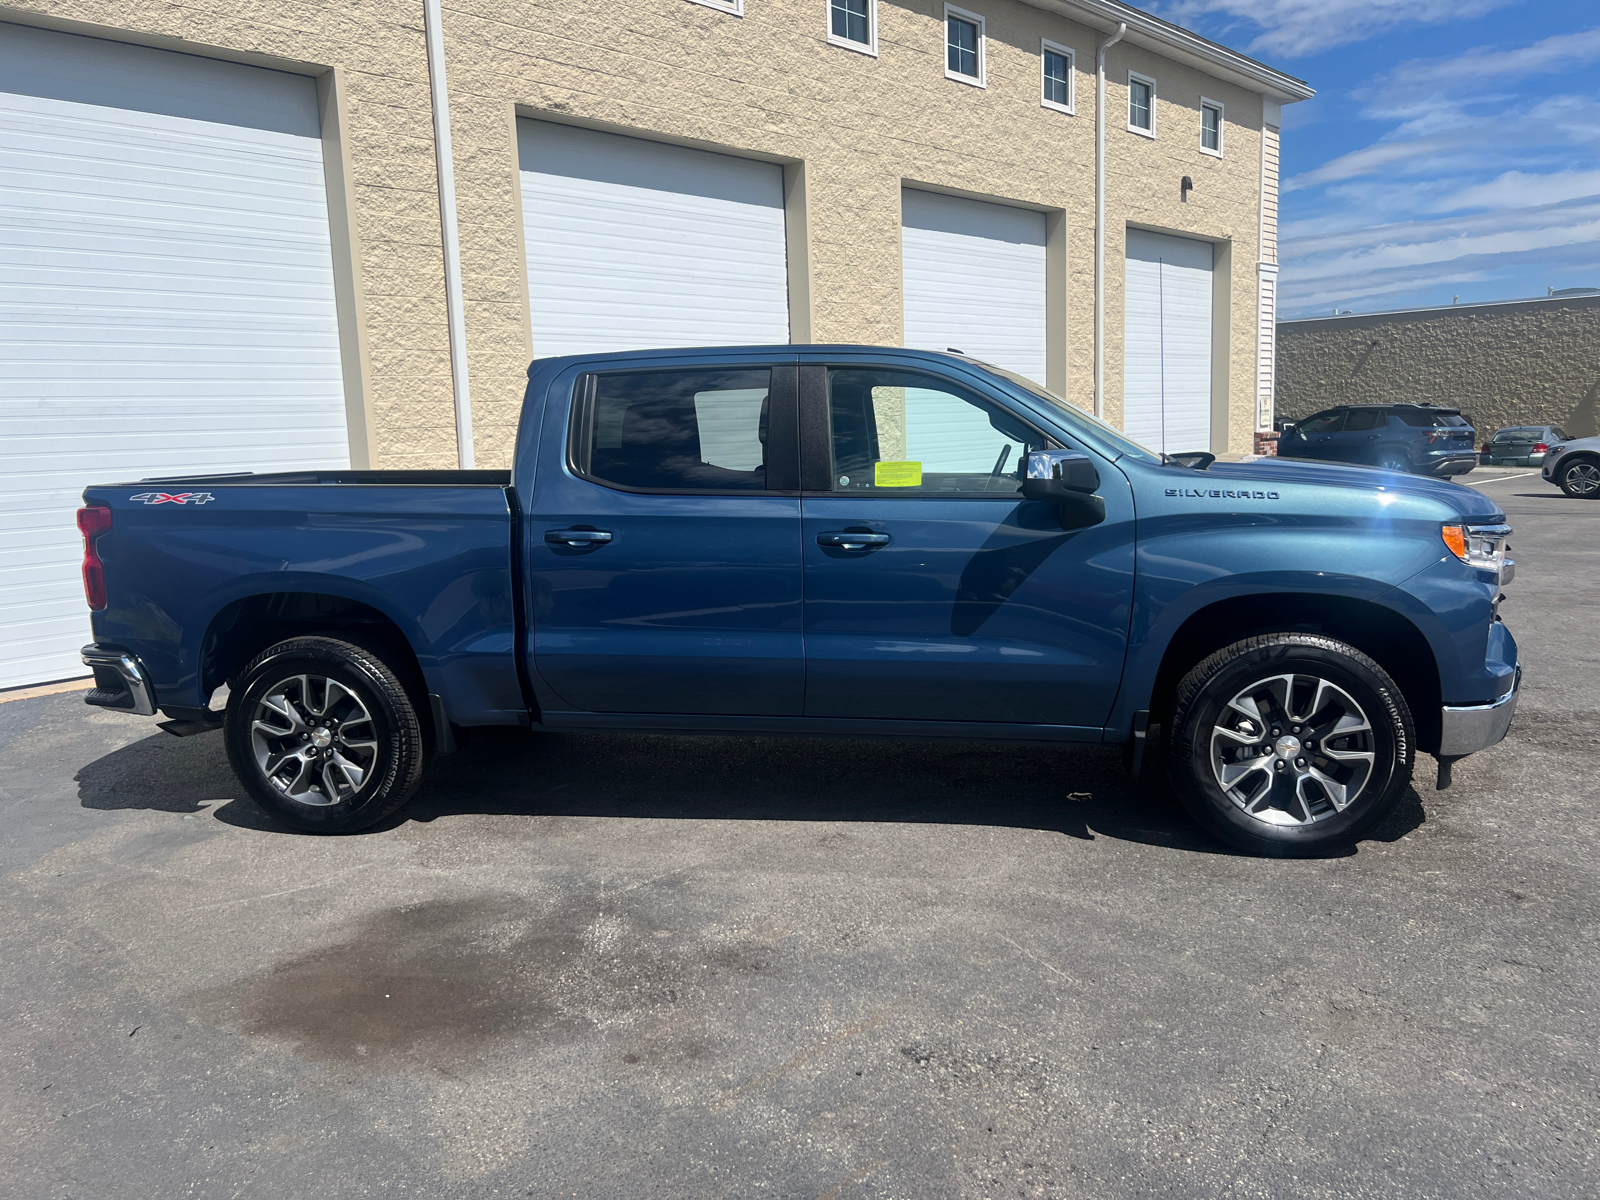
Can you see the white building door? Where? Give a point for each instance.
(974, 279)
(637, 245)
(1166, 390)
(166, 299)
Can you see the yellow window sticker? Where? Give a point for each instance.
(897, 474)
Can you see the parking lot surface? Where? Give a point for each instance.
(733, 967)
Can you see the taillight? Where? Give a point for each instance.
(92, 522)
(1486, 447)
(1540, 448)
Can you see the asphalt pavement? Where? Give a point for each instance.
(738, 967)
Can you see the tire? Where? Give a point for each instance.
(324, 736)
(1315, 802)
(1580, 479)
(1393, 460)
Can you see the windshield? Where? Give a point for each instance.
(1092, 428)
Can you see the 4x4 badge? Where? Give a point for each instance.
(172, 497)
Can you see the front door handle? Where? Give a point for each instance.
(577, 537)
(851, 539)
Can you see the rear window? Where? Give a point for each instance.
(1530, 434)
(1424, 418)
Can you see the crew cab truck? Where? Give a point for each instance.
(830, 540)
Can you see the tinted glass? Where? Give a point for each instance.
(1423, 418)
(1558, 435)
(900, 433)
(849, 20)
(697, 430)
(1322, 423)
(1364, 418)
(1055, 78)
(1531, 434)
(961, 45)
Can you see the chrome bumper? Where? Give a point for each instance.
(119, 682)
(1472, 727)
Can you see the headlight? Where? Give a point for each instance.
(1482, 546)
(1556, 449)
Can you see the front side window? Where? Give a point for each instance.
(1141, 103)
(1057, 90)
(1211, 127)
(963, 44)
(1328, 422)
(898, 433)
(701, 430)
(851, 21)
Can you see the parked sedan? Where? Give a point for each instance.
(1575, 467)
(1520, 446)
(1424, 439)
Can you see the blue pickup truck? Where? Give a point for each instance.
(839, 540)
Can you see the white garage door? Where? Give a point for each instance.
(636, 245)
(1166, 393)
(166, 299)
(974, 279)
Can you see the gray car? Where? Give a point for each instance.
(1520, 446)
(1575, 467)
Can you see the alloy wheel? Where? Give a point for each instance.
(314, 740)
(1292, 749)
(1583, 479)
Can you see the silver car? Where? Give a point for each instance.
(1520, 446)
(1574, 466)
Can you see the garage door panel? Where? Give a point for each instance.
(1167, 350)
(634, 244)
(975, 279)
(166, 298)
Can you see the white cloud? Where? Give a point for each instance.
(1295, 28)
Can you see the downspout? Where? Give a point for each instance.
(434, 32)
(1100, 220)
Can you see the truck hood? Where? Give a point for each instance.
(1369, 481)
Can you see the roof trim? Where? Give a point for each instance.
(1175, 41)
(1440, 309)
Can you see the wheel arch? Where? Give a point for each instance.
(1386, 636)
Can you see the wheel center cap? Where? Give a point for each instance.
(1286, 747)
(322, 739)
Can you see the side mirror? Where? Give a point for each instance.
(1068, 479)
(1287, 428)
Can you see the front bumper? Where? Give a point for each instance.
(1468, 728)
(120, 681)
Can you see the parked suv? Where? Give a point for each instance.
(1574, 467)
(1420, 438)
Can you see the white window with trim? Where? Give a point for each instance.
(1057, 89)
(963, 46)
(736, 7)
(1211, 127)
(853, 24)
(1141, 104)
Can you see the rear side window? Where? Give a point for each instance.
(1364, 418)
(1328, 422)
(702, 430)
(1423, 418)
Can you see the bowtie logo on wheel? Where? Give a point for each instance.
(172, 497)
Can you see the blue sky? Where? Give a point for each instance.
(1453, 147)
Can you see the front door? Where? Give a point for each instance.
(933, 590)
(663, 544)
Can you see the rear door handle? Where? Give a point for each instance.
(853, 540)
(577, 537)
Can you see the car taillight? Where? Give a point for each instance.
(1486, 447)
(1540, 448)
(92, 522)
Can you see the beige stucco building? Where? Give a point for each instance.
(230, 247)
(1516, 362)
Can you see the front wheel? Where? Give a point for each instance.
(1290, 743)
(1581, 480)
(323, 735)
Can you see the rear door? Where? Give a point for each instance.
(663, 542)
(1357, 440)
(933, 590)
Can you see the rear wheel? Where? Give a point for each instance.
(1290, 743)
(1393, 460)
(1581, 479)
(323, 735)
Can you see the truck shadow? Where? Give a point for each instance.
(1081, 792)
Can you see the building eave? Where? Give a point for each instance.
(1176, 42)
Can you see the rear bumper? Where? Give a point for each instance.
(1455, 463)
(1466, 729)
(120, 681)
